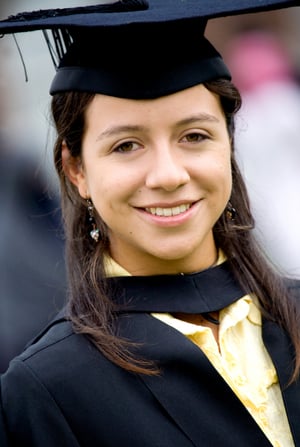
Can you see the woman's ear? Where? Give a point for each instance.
(73, 169)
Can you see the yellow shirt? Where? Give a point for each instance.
(241, 359)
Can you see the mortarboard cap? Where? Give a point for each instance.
(134, 48)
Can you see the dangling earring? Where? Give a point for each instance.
(94, 233)
(230, 212)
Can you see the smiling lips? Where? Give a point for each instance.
(168, 212)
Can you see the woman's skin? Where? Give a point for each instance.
(144, 158)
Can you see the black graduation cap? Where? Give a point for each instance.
(134, 48)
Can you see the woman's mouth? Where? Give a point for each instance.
(170, 211)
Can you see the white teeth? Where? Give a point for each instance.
(167, 212)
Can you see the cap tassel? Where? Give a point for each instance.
(62, 42)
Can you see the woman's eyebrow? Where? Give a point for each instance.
(116, 130)
(199, 117)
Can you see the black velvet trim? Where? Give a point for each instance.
(150, 85)
(207, 291)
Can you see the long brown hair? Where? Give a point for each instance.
(90, 309)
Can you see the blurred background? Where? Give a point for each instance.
(263, 54)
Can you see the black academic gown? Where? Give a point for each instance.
(62, 392)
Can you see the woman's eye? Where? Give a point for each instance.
(195, 137)
(127, 146)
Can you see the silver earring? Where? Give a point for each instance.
(94, 233)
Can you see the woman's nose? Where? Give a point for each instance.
(167, 170)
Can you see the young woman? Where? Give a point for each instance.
(177, 331)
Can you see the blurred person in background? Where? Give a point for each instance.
(267, 140)
(32, 271)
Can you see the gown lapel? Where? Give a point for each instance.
(205, 291)
(189, 389)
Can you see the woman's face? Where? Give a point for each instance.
(159, 175)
